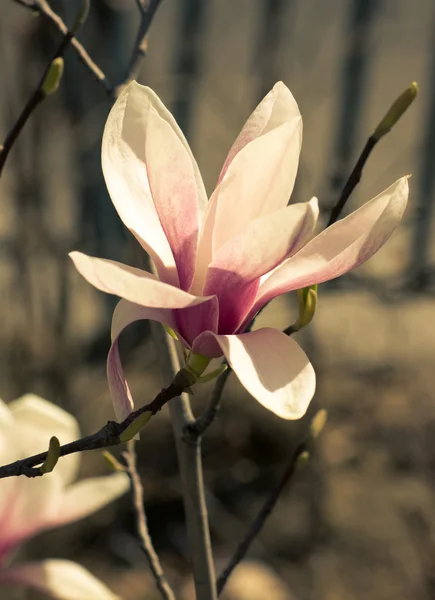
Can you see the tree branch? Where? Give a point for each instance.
(202, 423)
(261, 517)
(190, 463)
(142, 527)
(109, 435)
(147, 11)
(353, 179)
(34, 101)
(42, 8)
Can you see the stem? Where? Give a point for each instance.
(35, 99)
(109, 435)
(42, 8)
(353, 180)
(142, 526)
(260, 519)
(140, 46)
(190, 463)
(199, 426)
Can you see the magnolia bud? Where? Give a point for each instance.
(53, 77)
(397, 109)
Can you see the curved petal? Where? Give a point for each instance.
(36, 421)
(61, 579)
(259, 181)
(173, 187)
(125, 171)
(277, 107)
(88, 496)
(130, 283)
(258, 249)
(341, 247)
(124, 168)
(273, 368)
(124, 314)
(258, 175)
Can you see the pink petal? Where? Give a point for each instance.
(124, 314)
(61, 579)
(259, 248)
(273, 368)
(130, 283)
(258, 176)
(174, 191)
(341, 247)
(125, 172)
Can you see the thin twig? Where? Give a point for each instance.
(109, 435)
(142, 526)
(353, 180)
(147, 11)
(198, 427)
(190, 463)
(34, 101)
(42, 8)
(260, 519)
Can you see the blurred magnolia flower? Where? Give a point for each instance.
(220, 262)
(29, 506)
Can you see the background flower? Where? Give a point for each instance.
(29, 506)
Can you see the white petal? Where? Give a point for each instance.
(133, 284)
(273, 368)
(258, 175)
(259, 181)
(341, 247)
(86, 497)
(276, 108)
(36, 421)
(61, 579)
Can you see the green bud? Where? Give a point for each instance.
(213, 374)
(397, 109)
(135, 426)
(53, 77)
(196, 365)
(318, 423)
(52, 457)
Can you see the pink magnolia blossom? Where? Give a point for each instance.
(29, 506)
(219, 262)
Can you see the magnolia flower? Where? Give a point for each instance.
(219, 262)
(29, 506)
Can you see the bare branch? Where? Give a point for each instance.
(109, 435)
(199, 426)
(35, 99)
(261, 517)
(147, 11)
(190, 463)
(42, 8)
(142, 526)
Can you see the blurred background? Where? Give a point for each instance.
(359, 521)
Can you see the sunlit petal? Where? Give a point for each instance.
(341, 247)
(273, 368)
